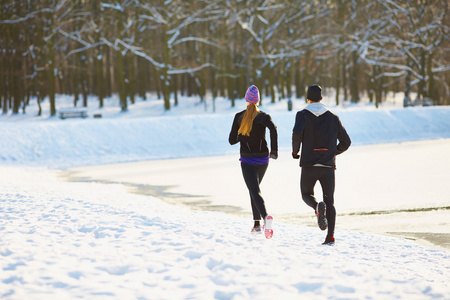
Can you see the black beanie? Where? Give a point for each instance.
(314, 93)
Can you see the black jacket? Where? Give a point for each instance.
(319, 130)
(255, 145)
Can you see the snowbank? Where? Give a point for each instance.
(74, 142)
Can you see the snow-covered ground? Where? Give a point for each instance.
(63, 239)
(404, 203)
(190, 130)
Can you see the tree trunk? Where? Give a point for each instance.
(407, 91)
(166, 78)
(51, 77)
(131, 77)
(157, 82)
(230, 81)
(338, 77)
(422, 88)
(84, 78)
(143, 77)
(175, 88)
(433, 92)
(298, 73)
(121, 81)
(378, 87)
(100, 77)
(109, 77)
(2, 84)
(354, 77)
(283, 78)
(39, 105)
(272, 84)
(344, 78)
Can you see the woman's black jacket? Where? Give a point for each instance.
(255, 145)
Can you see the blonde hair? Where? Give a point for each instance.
(247, 120)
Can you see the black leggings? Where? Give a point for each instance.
(308, 179)
(253, 175)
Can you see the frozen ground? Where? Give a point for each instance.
(64, 240)
(379, 188)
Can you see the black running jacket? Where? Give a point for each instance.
(255, 145)
(319, 130)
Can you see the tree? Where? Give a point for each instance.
(192, 47)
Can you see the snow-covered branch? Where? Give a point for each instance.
(90, 46)
(196, 39)
(116, 6)
(137, 51)
(189, 70)
(27, 17)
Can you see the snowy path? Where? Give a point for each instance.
(65, 240)
(399, 178)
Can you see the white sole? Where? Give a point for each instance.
(268, 231)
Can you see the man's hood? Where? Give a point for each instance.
(317, 108)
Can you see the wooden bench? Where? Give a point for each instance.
(73, 114)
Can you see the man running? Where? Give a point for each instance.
(319, 130)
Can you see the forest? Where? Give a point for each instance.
(209, 47)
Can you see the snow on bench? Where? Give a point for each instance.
(73, 114)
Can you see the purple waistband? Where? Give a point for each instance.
(255, 160)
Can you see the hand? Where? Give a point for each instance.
(273, 155)
(295, 155)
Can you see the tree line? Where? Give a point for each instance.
(189, 47)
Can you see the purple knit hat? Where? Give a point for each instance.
(252, 95)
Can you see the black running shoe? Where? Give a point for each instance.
(256, 230)
(321, 218)
(329, 241)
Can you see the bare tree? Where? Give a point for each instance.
(170, 46)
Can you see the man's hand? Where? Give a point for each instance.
(295, 155)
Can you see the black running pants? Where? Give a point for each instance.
(326, 177)
(253, 175)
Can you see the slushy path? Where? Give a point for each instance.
(397, 189)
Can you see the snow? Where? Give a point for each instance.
(65, 239)
(183, 181)
(191, 130)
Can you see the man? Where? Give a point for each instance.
(319, 130)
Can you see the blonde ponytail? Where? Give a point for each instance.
(247, 119)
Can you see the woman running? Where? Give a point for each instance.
(249, 128)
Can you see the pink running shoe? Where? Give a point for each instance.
(268, 231)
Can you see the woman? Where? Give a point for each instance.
(249, 128)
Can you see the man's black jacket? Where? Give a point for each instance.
(319, 130)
